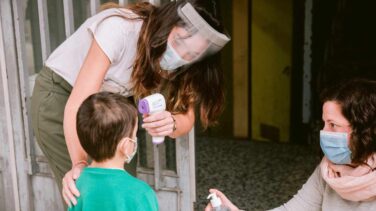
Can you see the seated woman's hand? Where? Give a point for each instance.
(225, 201)
(70, 191)
(159, 124)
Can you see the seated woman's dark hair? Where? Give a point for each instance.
(357, 98)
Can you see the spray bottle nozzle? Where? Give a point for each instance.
(214, 200)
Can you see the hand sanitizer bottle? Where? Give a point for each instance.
(216, 203)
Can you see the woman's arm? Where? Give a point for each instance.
(89, 81)
(183, 123)
(309, 197)
(162, 123)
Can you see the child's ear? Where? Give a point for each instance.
(123, 145)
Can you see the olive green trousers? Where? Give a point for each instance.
(49, 98)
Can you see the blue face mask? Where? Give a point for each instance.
(334, 145)
(171, 60)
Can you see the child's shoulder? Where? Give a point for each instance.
(114, 178)
(138, 184)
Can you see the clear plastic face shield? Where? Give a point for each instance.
(188, 44)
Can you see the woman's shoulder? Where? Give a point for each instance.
(116, 19)
(123, 13)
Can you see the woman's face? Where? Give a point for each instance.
(189, 47)
(333, 119)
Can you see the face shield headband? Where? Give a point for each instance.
(196, 25)
(200, 36)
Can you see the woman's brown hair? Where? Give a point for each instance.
(357, 99)
(198, 84)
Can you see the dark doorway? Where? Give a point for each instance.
(343, 47)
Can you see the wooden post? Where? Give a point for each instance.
(185, 159)
(68, 18)
(14, 92)
(94, 6)
(44, 30)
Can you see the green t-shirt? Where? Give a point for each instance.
(113, 189)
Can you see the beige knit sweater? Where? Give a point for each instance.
(316, 194)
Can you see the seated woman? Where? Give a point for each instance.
(346, 177)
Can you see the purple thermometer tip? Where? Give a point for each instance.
(143, 106)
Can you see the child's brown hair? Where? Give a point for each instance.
(103, 119)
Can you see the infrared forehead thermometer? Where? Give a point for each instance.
(150, 105)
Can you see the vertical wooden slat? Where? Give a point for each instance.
(15, 85)
(11, 157)
(44, 30)
(157, 168)
(25, 92)
(155, 2)
(192, 163)
(240, 68)
(184, 158)
(94, 6)
(1, 163)
(123, 2)
(68, 17)
(307, 61)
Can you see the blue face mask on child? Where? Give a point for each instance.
(335, 147)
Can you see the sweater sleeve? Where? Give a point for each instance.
(309, 197)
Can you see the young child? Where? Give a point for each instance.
(106, 126)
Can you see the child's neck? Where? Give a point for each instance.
(111, 163)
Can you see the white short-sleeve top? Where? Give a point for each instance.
(116, 36)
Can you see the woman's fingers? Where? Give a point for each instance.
(157, 117)
(66, 190)
(209, 207)
(70, 191)
(165, 133)
(72, 187)
(65, 197)
(156, 124)
(218, 193)
(161, 131)
(71, 198)
(159, 124)
(225, 201)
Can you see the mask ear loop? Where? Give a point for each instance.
(135, 145)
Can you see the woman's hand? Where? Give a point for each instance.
(159, 124)
(225, 201)
(70, 191)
